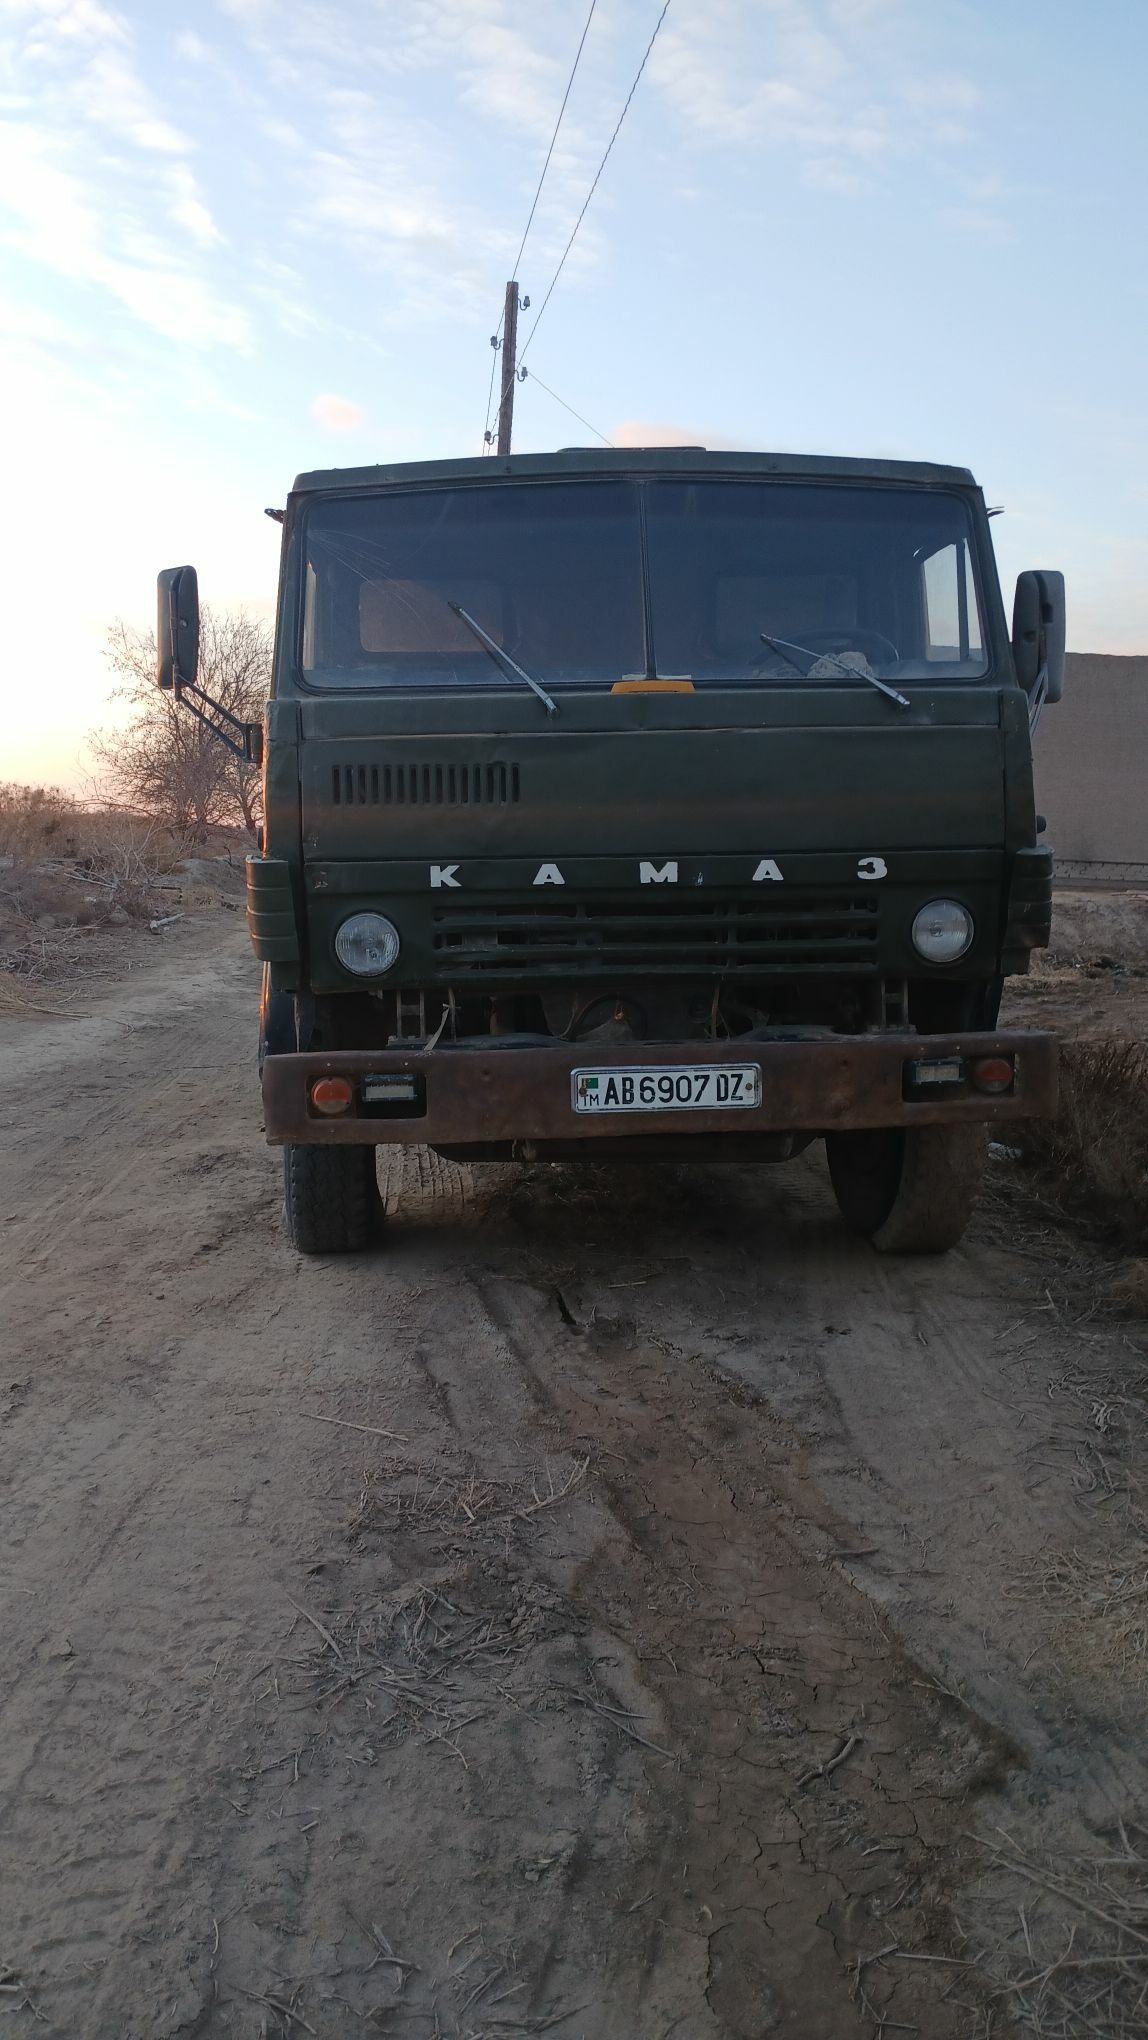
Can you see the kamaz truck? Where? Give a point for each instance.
(648, 805)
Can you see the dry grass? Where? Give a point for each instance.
(1099, 1604)
(35, 820)
(64, 869)
(68, 872)
(1128, 1291)
(425, 1663)
(1094, 1155)
(446, 1498)
(426, 1657)
(18, 997)
(1076, 1966)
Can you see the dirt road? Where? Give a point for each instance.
(621, 1607)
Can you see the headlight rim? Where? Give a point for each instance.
(954, 956)
(392, 943)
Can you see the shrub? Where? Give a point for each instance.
(1095, 1152)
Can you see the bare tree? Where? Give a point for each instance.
(163, 761)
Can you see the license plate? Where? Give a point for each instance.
(720, 1087)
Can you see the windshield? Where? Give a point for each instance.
(594, 582)
(553, 575)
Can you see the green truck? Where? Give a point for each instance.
(653, 805)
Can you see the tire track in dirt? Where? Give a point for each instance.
(109, 1715)
(763, 1669)
(82, 1120)
(443, 1803)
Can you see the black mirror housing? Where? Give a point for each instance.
(177, 629)
(177, 664)
(1038, 630)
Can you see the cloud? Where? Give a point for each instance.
(109, 93)
(845, 87)
(188, 209)
(369, 190)
(658, 432)
(67, 21)
(338, 414)
(53, 221)
(72, 196)
(979, 222)
(851, 13)
(848, 87)
(390, 169)
(346, 196)
(829, 173)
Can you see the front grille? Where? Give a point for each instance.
(605, 937)
(438, 785)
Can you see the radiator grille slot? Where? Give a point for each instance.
(432, 785)
(605, 936)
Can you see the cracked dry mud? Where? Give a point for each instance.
(595, 1613)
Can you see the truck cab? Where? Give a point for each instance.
(648, 804)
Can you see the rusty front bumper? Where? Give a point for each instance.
(480, 1096)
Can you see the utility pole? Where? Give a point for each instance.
(509, 367)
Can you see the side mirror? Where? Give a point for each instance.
(177, 629)
(1038, 632)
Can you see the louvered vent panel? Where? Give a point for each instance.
(437, 785)
(736, 937)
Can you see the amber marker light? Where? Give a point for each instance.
(331, 1095)
(670, 685)
(993, 1073)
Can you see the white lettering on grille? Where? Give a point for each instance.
(768, 869)
(548, 874)
(872, 867)
(659, 874)
(444, 874)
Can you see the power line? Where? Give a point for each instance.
(597, 175)
(554, 138)
(535, 377)
(530, 218)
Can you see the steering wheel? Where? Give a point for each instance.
(854, 638)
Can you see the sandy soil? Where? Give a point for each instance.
(1092, 980)
(621, 1607)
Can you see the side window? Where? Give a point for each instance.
(949, 600)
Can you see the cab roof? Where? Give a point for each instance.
(636, 460)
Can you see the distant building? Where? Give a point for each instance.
(1090, 756)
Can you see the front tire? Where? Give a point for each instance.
(331, 1202)
(909, 1190)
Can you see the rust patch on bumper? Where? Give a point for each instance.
(491, 1095)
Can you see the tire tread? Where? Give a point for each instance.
(331, 1202)
(920, 1198)
(940, 1181)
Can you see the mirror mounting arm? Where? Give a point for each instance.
(177, 665)
(247, 742)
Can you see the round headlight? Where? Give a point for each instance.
(942, 931)
(367, 945)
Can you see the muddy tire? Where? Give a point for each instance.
(910, 1191)
(331, 1202)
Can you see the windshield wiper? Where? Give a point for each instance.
(782, 645)
(504, 659)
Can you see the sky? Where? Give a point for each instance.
(240, 239)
